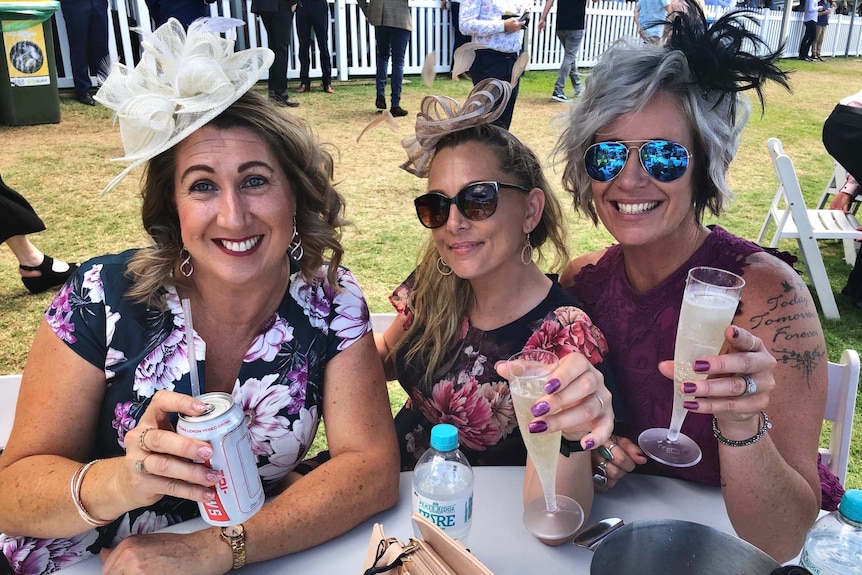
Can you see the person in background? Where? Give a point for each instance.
(842, 138)
(313, 15)
(497, 26)
(478, 296)
(245, 223)
(459, 39)
(824, 9)
(39, 272)
(809, 21)
(571, 16)
(186, 11)
(649, 16)
(87, 29)
(392, 26)
(646, 150)
(277, 18)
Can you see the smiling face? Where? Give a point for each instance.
(488, 249)
(235, 206)
(635, 208)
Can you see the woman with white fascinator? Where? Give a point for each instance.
(239, 202)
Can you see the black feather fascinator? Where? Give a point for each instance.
(725, 57)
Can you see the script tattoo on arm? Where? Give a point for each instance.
(782, 313)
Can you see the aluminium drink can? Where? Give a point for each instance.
(239, 491)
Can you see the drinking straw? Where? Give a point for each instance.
(190, 340)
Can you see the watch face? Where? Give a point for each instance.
(233, 530)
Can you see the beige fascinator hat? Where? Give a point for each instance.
(183, 81)
(442, 115)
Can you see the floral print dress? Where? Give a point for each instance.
(467, 391)
(143, 350)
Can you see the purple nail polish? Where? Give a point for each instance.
(690, 404)
(540, 408)
(701, 365)
(538, 427)
(735, 332)
(589, 444)
(689, 387)
(552, 385)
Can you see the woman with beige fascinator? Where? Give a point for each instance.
(478, 296)
(239, 202)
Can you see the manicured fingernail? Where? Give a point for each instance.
(213, 477)
(552, 385)
(538, 427)
(689, 387)
(690, 404)
(200, 406)
(540, 408)
(209, 495)
(701, 365)
(735, 332)
(205, 452)
(589, 444)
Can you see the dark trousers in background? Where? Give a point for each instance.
(186, 11)
(460, 39)
(842, 138)
(808, 38)
(313, 15)
(391, 42)
(87, 29)
(494, 64)
(278, 28)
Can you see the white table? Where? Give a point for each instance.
(497, 538)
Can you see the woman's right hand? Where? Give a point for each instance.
(625, 456)
(160, 462)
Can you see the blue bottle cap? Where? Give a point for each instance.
(444, 437)
(851, 505)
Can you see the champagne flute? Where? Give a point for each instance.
(708, 303)
(552, 516)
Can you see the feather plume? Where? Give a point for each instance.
(384, 117)
(428, 68)
(463, 58)
(519, 67)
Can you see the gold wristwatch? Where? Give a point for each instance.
(235, 537)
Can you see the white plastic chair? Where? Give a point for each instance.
(9, 385)
(840, 408)
(380, 321)
(793, 221)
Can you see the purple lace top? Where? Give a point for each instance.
(641, 331)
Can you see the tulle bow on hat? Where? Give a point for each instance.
(183, 81)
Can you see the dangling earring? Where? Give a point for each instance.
(296, 251)
(443, 267)
(527, 252)
(187, 268)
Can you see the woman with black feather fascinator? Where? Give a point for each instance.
(646, 150)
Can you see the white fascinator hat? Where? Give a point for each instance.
(183, 80)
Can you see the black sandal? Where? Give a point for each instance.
(49, 277)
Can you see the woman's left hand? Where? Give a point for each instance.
(168, 554)
(577, 402)
(740, 380)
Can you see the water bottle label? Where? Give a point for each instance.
(451, 515)
(805, 561)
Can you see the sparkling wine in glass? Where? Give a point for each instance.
(552, 516)
(708, 303)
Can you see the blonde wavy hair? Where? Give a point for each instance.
(440, 303)
(307, 165)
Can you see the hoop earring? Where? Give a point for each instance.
(187, 268)
(527, 252)
(442, 267)
(296, 251)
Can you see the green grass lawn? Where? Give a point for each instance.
(62, 168)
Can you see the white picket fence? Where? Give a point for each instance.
(351, 38)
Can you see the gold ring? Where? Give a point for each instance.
(139, 466)
(141, 438)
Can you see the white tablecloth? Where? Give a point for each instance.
(498, 537)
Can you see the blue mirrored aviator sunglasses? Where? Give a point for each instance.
(663, 160)
(476, 201)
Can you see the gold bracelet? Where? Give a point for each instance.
(75, 488)
(744, 442)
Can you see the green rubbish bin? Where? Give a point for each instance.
(28, 73)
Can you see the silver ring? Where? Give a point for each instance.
(601, 403)
(139, 466)
(602, 468)
(750, 385)
(600, 480)
(752, 346)
(141, 438)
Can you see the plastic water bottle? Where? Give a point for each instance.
(443, 484)
(834, 544)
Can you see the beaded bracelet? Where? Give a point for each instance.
(75, 488)
(744, 442)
